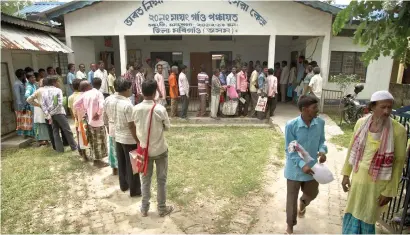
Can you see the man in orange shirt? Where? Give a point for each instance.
(173, 90)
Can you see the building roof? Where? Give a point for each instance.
(76, 5)
(322, 6)
(39, 7)
(15, 38)
(29, 24)
(67, 8)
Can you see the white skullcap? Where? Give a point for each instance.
(381, 95)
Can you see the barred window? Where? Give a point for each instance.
(347, 63)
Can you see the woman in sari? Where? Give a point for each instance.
(374, 162)
(40, 125)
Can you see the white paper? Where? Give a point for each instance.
(261, 105)
(242, 100)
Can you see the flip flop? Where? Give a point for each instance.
(301, 213)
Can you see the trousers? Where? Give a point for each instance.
(161, 167)
(60, 122)
(127, 178)
(310, 190)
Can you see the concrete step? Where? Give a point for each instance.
(15, 142)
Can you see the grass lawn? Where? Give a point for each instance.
(341, 140)
(229, 160)
(204, 164)
(31, 179)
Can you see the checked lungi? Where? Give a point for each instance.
(98, 142)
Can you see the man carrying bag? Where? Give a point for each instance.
(151, 120)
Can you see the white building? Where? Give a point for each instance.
(190, 32)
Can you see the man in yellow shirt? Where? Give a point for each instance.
(374, 162)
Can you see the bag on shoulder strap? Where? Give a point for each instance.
(139, 157)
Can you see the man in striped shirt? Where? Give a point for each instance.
(203, 81)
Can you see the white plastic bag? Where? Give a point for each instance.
(322, 174)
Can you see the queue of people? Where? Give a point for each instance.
(129, 111)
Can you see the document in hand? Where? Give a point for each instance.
(322, 174)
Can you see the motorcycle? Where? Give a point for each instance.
(352, 109)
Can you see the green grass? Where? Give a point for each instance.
(225, 162)
(341, 140)
(204, 163)
(31, 179)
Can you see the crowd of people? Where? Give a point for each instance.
(113, 116)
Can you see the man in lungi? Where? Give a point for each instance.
(91, 102)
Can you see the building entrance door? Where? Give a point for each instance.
(198, 59)
(8, 118)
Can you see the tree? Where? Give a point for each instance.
(384, 26)
(12, 7)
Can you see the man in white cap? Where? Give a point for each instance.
(374, 164)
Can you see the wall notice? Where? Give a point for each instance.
(196, 23)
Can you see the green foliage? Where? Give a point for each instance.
(384, 26)
(344, 80)
(11, 7)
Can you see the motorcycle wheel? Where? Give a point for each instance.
(347, 117)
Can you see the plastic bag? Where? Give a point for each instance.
(322, 174)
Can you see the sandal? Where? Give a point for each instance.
(301, 213)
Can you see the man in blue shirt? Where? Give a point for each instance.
(70, 79)
(309, 131)
(90, 76)
(222, 76)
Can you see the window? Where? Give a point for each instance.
(220, 38)
(61, 60)
(165, 38)
(347, 63)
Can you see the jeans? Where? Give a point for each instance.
(185, 102)
(60, 122)
(161, 166)
(127, 178)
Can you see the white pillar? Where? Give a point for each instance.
(123, 53)
(271, 55)
(325, 60)
(69, 43)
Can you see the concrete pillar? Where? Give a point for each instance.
(69, 43)
(271, 53)
(325, 60)
(123, 53)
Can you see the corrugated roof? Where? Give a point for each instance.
(18, 39)
(39, 7)
(322, 6)
(29, 24)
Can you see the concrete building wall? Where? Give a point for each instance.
(290, 18)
